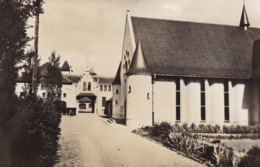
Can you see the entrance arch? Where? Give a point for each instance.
(87, 98)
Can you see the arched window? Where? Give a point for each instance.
(116, 102)
(148, 95)
(129, 89)
(117, 91)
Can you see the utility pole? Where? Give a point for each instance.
(35, 57)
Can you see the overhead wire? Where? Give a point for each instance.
(47, 32)
(51, 28)
(44, 31)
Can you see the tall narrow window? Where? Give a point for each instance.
(105, 88)
(226, 101)
(103, 101)
(64, 95)
(109, 88)
(89, 86)
(126, 67)
(129, 89)
(84, 86)
(178, 100)
(101, 87)
(202, 101)
(117, 91)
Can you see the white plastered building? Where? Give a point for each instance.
(186, 72)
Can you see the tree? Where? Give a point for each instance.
(54, 77)
(14, 40)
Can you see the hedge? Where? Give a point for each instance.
(35, 133)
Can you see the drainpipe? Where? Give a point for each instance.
(153, 77)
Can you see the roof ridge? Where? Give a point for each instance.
(192, 22)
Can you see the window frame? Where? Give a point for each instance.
(226, 102)
(202, 101)
(178, 99)
(103, 101)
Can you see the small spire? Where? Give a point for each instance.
(65, 66)
(138, 65)
(244, 22)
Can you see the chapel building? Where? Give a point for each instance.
(187, 72)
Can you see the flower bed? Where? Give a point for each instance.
(204, 143)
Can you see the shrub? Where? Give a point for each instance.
(193, 127)
(177, 128)
(216, 128)
(185, 127)
(252, 158)
(241, 129)
(161, 130)
(184, 143)
(210, 129)
(36, 133)
(201, 128)
(223, 156)
(225, 129)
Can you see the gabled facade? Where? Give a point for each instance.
(188, 72)
(82, 93)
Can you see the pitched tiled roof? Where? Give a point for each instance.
(256, 60)
(65, 66)
(66, 80)
(105, 80)
(74, 78)
(195, 49)
(138, 65)
(43, 69)
(117, 80)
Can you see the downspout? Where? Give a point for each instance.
(153, 78)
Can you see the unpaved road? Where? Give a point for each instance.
(87, 141)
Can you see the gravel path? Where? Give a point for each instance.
(87, 141)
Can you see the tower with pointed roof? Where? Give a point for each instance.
(139, 90)
(244, 21)
(198, 74)
(65, 69)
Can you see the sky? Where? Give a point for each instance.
(90, 32)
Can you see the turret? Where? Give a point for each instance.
(139, 90)
(244, 22)
(65, 69)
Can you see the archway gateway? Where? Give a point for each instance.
(85, 97)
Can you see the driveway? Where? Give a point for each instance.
(87, 140)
